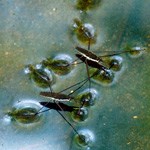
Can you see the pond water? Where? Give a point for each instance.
(32, 31)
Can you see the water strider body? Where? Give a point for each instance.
(57, 96)
(90, 59)
(95, 61)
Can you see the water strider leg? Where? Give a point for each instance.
(59, 113)
(69, 123)
(87, 69)
(83, 83)
(89, 79)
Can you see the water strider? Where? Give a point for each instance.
(85, 32)
(61, 107)
(60, 97)
(56, 98)
(98, 62)
(78, 113)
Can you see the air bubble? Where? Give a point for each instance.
(6, 119)
(61, 64)
(38, 66)
(27, 70)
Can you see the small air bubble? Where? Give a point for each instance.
(38, 66)
(54, 9)
(6, 119)
(27, 70)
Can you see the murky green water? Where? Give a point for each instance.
(33, 30)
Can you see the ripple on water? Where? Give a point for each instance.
(60, 64)
(80, 114)
(25, 113)
(115, 63)
(85, 138)
(84, 32)
(103, 77)
(137, 51)
(88, 97)
(40, 75)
